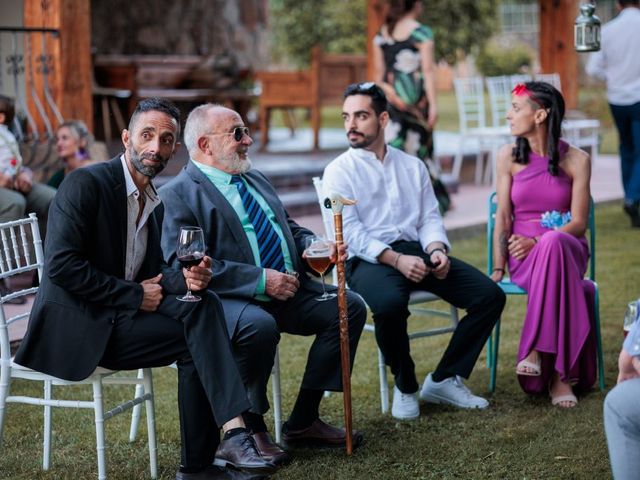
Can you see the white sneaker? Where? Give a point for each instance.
(405, 405)
(451, 391)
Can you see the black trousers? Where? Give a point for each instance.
(387, 291)
(303, 315)
(210, 391)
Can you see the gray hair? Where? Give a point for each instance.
(197, 125)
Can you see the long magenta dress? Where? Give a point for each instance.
(559, 319)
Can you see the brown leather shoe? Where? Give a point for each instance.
(240, 452)
(269, 449)
(319, 434)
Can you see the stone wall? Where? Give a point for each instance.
(234, 29)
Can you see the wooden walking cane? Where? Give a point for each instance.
(335, 202)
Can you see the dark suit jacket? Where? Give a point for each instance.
(191, 199)
(83, 291)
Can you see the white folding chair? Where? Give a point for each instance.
(519, 78)
(551, 78)
(416, 298)
(471, 111)
(21, 252)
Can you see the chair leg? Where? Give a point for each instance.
(46, 441)
(98, 409)
(384, 387)
(5, 377)
(117, 114)
(135, 411)
(494, 357)
(151, 421)
(599, 340)
(106, 120)
(277, 396)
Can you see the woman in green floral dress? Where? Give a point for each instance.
(404, 68)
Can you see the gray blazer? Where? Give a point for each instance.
(191, 199)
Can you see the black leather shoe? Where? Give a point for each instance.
(241, 453)
(217, 473)
(319, 434)
(633, 210)
(270, 450)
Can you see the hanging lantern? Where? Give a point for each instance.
(587, 29)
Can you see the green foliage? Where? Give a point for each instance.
(495, 60)
(340, 26)
(460, 27)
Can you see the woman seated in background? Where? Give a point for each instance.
(543, 207)
(73, 141)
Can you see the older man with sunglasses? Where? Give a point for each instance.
(259, 274)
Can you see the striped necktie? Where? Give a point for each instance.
(271, 255)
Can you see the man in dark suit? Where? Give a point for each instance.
(261, 282)
(108, 299)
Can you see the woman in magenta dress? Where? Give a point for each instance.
(543, 206)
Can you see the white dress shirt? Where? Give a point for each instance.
(137, 233)
(395, 201)
(618, 61)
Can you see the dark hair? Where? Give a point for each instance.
(397, 10)
(158, 105)
(626, 3)
(545, 95)
(370, 89)
(7, 106)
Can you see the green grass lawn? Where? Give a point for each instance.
(518, 437)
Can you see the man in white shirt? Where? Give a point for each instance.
(618, 63)
(397, 244)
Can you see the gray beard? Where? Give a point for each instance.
(237, 165)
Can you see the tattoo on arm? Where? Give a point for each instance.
(504, 244)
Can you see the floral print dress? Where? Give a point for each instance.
(408, 129)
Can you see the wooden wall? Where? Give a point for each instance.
(557, 53)
(70, 77)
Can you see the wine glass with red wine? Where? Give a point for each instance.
(190, 252)
(318, 253)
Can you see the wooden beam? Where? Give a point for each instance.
(67, 60)
(376, 10)
(557, 53)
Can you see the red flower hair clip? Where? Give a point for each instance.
(521, 90)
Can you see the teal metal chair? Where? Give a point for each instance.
(510, 288)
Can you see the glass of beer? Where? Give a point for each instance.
(318, 253)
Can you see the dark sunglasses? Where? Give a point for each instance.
(237, 133)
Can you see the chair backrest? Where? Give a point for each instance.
(591, 227)
(499, 89)
(520, 78)
(327, 215)
(470, 99)
(552, 78)
(327, 221)
(20, 252)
